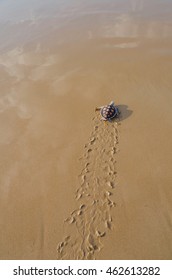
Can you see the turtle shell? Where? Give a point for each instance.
(108, 112)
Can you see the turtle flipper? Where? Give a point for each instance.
(117, 112)
(98, 108)
(103, 119)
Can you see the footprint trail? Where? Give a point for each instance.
(86, 226)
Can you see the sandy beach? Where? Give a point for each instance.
(73, 186)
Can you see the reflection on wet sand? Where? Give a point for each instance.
(58, 61)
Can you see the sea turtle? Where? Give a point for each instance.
(108, 112)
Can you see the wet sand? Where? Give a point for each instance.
(72, 186)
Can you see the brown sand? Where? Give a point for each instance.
(92, 219)
(72, 186)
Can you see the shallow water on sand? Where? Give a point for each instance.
(58, 61)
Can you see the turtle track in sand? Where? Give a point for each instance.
(89, 223)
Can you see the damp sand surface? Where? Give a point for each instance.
(72, 186)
